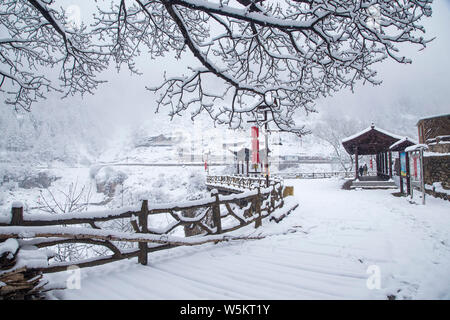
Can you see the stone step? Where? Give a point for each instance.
(373, 184)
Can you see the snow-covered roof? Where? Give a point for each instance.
(435, 116)
(401, 141)
(416, 147)
(372, 127)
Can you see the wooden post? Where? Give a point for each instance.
(386, 164)
(408, 178)
(216, 212)
(17, 214)
(247, 167)
(400, 173)
(356, 164)
(422, 184)
(258, 221)
(377, 159)
(143, 224)
(390, 164)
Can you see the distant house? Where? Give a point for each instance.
(156, 141)
(435, 132)
(290, 158)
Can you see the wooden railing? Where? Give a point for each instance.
(240, 182)
(239, 210)
(319, 175)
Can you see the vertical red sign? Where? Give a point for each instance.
(255, 145)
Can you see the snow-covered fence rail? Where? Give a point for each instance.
(239, 183)
(316, 175)
(46, 230)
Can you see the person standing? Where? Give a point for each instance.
(365, 169)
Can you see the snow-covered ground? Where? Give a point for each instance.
(337, 244)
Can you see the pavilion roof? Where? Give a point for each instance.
(402, 144)
(371, 140)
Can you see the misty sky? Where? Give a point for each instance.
(412, 90)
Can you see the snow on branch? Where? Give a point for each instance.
(22, 232)
(37, 42)
(295, 51)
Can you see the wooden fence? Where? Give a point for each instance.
(45, 230)
(238, 183)
(319, 175)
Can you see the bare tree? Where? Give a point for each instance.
(33, 41)
(332, 129)
(285, 54)
(73, 200)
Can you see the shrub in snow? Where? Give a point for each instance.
(107, 179)
(196, 181)
(39, 180)
(94, 170)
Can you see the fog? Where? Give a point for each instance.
(407, 93)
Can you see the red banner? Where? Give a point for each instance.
(255, 132)
(255, 145)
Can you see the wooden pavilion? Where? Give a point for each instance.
(373, 141)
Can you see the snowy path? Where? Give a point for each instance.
(340, 234)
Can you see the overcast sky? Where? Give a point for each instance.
(415, 90)
(412, 90)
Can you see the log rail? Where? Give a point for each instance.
(239, 210)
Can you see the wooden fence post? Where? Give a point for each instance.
(17, 214)
(143, 224)
(216, 212)
(258, 221)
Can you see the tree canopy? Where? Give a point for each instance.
(280, 54)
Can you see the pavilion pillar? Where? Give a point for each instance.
(356, 164)
(408, 178)
(390, 164)
(247, 167)
(376, 162)
(381, 164)
(400, 173)
(387, 163)
(238, 167)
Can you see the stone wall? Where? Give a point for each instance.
(437, 169)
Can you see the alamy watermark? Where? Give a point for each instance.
(73, 281)
(374, 280)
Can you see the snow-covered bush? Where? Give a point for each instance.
(94, 170)
(196, 182)
(107, 179)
